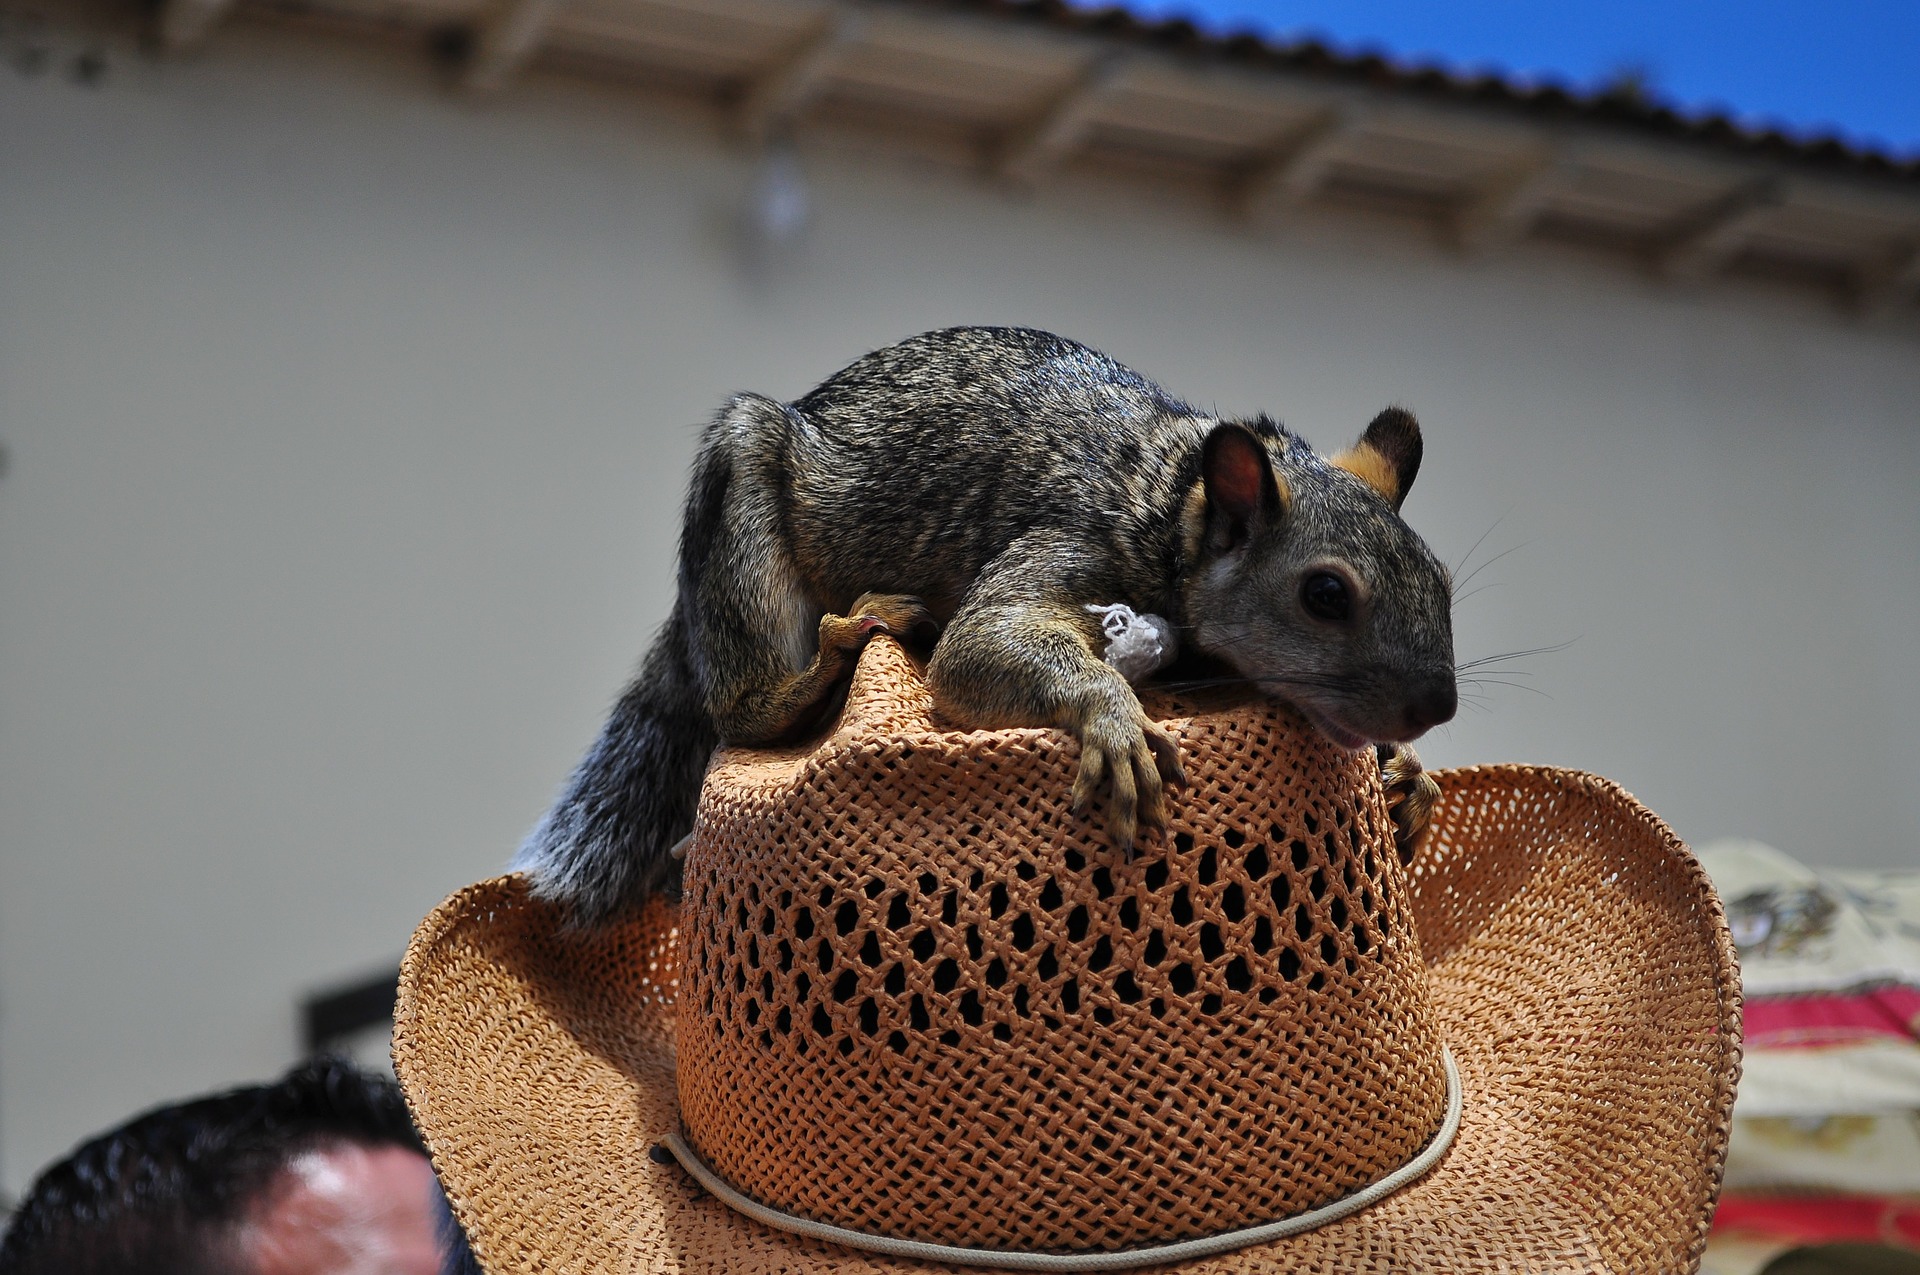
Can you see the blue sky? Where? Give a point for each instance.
(1851, 69)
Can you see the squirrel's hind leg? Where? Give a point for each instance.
(771, 662)
(795, 703)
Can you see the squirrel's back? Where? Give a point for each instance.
(944, 448)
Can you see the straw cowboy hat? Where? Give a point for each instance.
(912, 1014)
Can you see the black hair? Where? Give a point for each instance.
(158, 1194)
(456, 1257)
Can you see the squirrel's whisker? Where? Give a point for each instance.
(1515, 655)
(1467, 557)
(1518, 686)
(1491, 584)
(1461, 584)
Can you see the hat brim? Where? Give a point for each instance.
(1582, 973)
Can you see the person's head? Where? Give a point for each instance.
(319, 1171)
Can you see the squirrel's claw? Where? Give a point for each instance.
(1137, 761)
(1093, 766)
(1166, 757)
(1411, 796)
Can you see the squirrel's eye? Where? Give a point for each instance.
(1326, 597)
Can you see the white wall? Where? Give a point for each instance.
(348, 423)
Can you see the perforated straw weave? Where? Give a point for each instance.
(934, 1004)
(1554, 936)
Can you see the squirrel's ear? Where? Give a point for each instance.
(1243, 492)
(1387, 456)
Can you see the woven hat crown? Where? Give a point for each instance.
(922, 999)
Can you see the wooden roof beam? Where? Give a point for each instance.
(1062, 126)
(185, 24)
(1884, 290)
(1710, 238)
(1300, 165)
(1506, 210)
(779, 95)
(505, 41)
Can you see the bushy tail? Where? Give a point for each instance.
(604, 847)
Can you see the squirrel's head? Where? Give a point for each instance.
(1301, 576)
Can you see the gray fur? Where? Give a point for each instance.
(1003, 479)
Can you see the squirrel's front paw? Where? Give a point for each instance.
(1411, 794)
(1139, 761)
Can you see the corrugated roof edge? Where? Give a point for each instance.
(1622, 109)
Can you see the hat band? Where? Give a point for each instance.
(1124, 1259)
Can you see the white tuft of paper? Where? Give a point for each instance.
(1137, 645)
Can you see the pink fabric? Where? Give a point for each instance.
(1833, 1018)
(1822, 1219)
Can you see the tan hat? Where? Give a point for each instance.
(931, 1018)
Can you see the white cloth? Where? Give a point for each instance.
(1137, 645)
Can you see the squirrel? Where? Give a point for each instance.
(992, 485)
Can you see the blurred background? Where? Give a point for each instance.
(352, 355)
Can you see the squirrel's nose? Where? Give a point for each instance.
(1432, 703)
